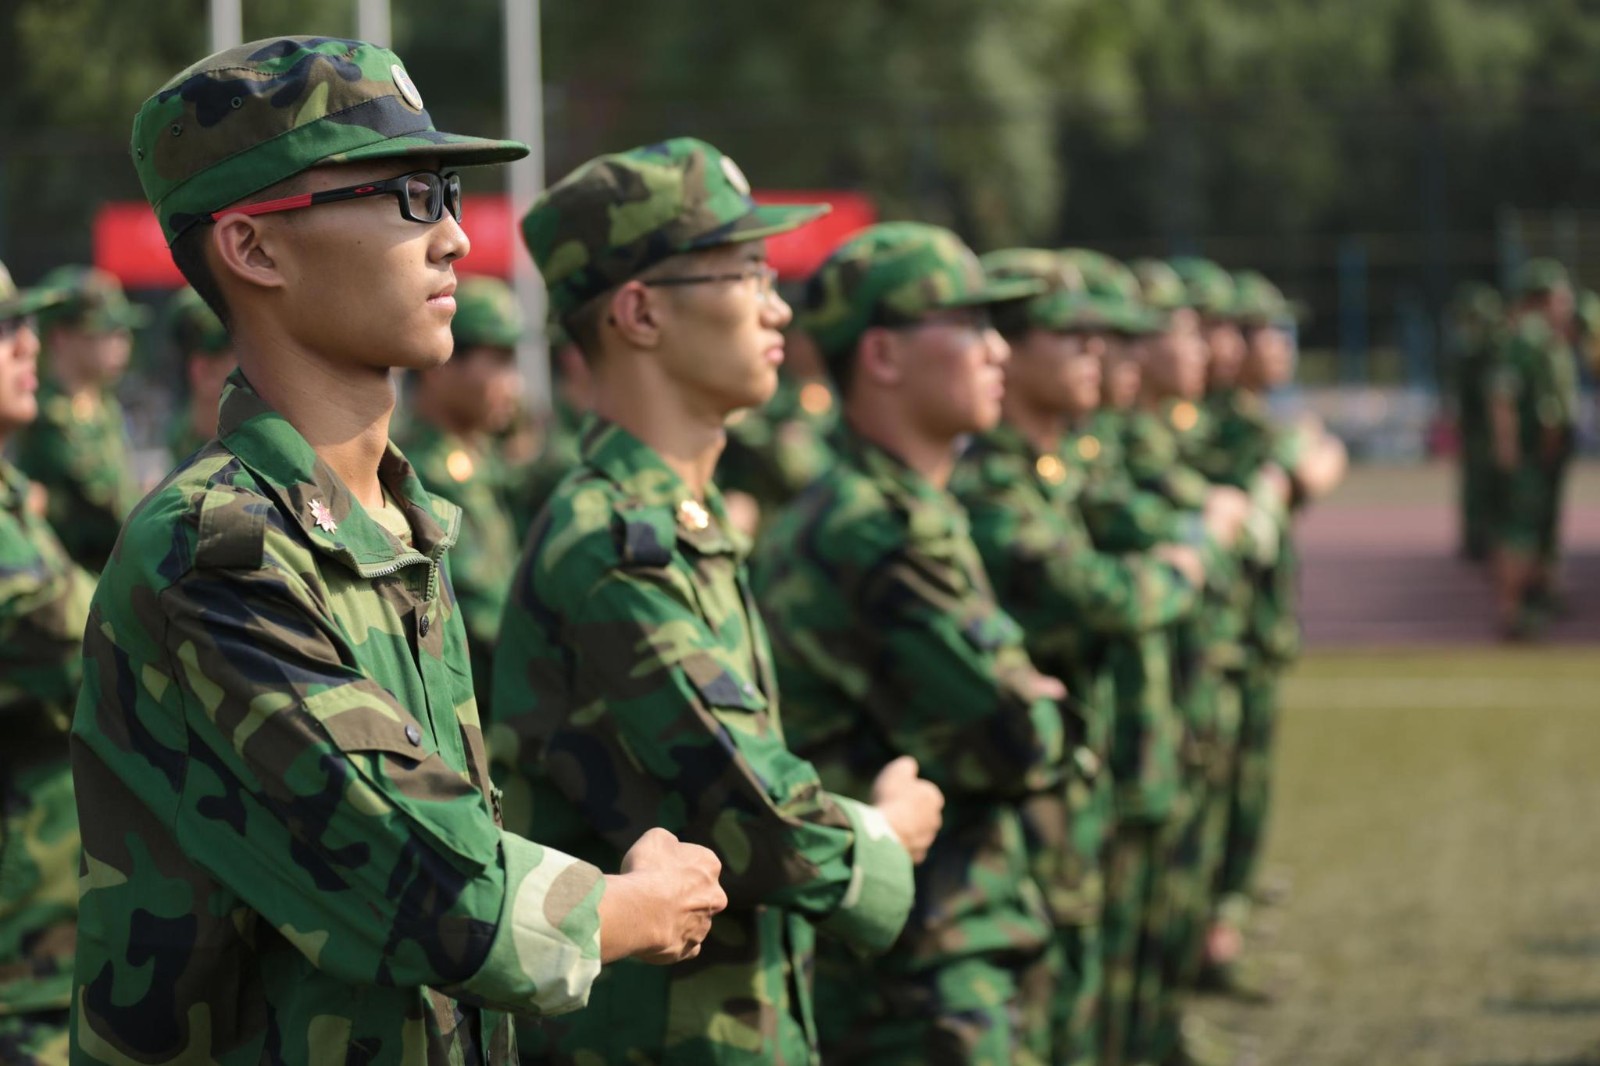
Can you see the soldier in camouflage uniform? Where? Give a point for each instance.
(455, 409)
(634, 679)
(292, 850)
(1533, 407)
(890, 642)
(78, 447)
(44, 602)
(1022, 499)
(529, 485)
(205, 354)
(1473, 325)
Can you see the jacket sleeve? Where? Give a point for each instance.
(324, 804)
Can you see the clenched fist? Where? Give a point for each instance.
(659, 908)
(914, 807)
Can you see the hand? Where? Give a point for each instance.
(1225, 511)
(658, 909)
(1184, 559)
(914, 807)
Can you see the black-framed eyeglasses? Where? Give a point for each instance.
(10, 327)
(424, 196)
(764, 274)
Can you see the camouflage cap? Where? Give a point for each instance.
(15, 302)
(618, 215)
(1160, 286)
(487, 312)
(892, 274)
(1258, 302)
(1103, 275)
(1539, 276)
(91, 299)
(194, 327)
(1210, 288)
(1063, 305)
(248, 117)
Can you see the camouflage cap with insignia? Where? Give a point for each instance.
(893, 274)
(1063, 305)
(1539, 276)
(248, 117)
(194, 327)
(89, 298)
(15, 302)
(487, 313)
(618, 215)
(1210, 288)
(1258, 302)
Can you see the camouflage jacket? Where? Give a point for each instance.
(78, 450)
(1538, 372)
(889, 642)
(1121, 515)
(44, 602)
(775, 451)
(470, 477)
(1070, 600)
(635, 680)
(291, 848)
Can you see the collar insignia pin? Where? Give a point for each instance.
(693, 516)
(323, 517)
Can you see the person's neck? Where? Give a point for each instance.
(342, 411)
(932, 457)
(73, 384)
(688, 437)
(1041, 428)
(1155, 401)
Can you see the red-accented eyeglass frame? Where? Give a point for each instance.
(444, 193)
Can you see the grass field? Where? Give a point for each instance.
(1439, 816)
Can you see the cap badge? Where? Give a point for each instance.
(735, 176)
(407, 87)
(323, 517)
(458, 464)
(693, 516)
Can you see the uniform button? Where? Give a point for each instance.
(414, 735)
(749, 689)
(424, 625)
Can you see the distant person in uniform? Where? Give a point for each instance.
(205, 354)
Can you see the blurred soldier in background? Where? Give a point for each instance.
(1473, 333)
(889, 642)
(78, 448)
(205, 354)
(530, 483)
(634, 681)
(44, 603)
(1022, 499)
(1533, 413)
(455, 411)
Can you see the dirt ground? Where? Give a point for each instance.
(1438, 807)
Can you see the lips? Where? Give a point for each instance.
(445, 297)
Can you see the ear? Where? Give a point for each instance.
(635, 314)
(241, 251)
(880, 358)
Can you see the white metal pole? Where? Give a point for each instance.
(372, 22)
(227, 24)
(525, 123)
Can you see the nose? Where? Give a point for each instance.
(997, 350)
(27, 344)
(450, 241)
(775, 311)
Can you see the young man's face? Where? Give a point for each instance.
(1269, 358)
(1175, 361)
(364, 286)
(1058, 372)
(480, 386)
(1226, 347)
(90, 356)
(955, 375)
(19, 374)
(723, 339)
(1122, 373)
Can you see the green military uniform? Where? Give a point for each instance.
(469, 473)
(635, 682)
(776, 450)
(44, 602)
(291, 843)
(196, 331)
(1475, 321)
(889, 642)
(78, 447)
(1536, 370)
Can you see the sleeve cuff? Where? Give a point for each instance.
(546, 951)
(878, 899)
